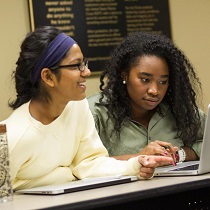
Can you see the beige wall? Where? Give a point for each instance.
(190, 30)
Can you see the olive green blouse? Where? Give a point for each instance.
(134, 137)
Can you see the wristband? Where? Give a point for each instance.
(182, 155)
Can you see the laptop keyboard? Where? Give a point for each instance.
(187, 168)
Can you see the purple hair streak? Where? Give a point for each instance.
(52, 54)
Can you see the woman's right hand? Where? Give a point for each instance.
(160, 148)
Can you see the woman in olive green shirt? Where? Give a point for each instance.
(147, 103)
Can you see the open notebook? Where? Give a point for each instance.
(84, 184)
(192, 167)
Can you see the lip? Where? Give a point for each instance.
(82, 84)
(152, 101)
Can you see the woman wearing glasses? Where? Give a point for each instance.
(51, 133)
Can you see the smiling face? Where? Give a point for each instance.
(71, 85)
(147, 83)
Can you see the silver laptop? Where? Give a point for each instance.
(192, 167)
(84, 184)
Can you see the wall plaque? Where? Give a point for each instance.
(99, 25)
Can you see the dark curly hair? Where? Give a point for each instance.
(184, 85)
(32, 49)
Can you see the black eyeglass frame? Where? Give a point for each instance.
(84, 64)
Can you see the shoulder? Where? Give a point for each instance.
(202, 113)
(92, 99)
(97, 109)
(17, 123)
(203, 117)
(82, 102)
(77, 107)
(18, 115)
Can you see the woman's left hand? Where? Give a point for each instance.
(167, 149)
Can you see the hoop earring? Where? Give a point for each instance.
(124, 82)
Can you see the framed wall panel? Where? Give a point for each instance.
(99, 25)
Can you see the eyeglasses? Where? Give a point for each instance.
(80, 66)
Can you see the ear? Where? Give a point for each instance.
(124, 75)
(48, 77)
